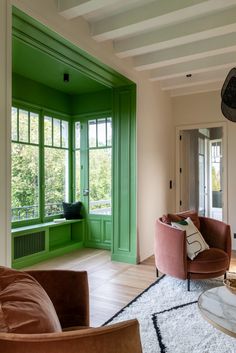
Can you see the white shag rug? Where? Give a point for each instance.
(170, 321)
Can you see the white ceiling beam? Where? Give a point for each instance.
(74, 8)
(227, 60)
(193, 84)
(186, 52)
(186, 32)
(201, 88)
(154, 15)
(196, 79)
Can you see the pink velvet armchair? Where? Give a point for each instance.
(171, 254)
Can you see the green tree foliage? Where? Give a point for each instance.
(100, 175)
(215, 179)
(25, 176)
(56, 179)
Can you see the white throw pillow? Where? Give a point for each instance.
(194, 239)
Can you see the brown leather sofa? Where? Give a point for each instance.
(68, 291)
(171, 254)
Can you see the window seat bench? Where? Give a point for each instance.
(38, 242)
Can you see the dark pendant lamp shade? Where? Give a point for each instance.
(228, 96)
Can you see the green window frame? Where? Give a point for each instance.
(82, 148)
(25, 152)
(77, 127)
(100, 145)
(56, 144)
(61, 145)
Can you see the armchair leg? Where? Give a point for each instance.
(157, 274)
(225, 275)
(188, 283)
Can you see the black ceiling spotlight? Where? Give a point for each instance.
(66, 77)
(228, 96)
(189, 75)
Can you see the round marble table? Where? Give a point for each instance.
(218, 306)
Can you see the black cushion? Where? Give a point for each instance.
(72, 210)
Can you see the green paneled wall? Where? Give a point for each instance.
(124, 176)
(92, 102)
(32, 92)
(26, 90)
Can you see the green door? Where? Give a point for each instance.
(93, 155)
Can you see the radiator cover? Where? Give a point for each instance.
(29, 244)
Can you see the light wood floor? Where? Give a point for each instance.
(112, 284)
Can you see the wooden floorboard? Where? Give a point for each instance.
(112, 285)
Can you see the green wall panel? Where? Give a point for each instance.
(124, 176)
(32, 92)
(89, 103)
(59, 235)
(107, 231)
(94, 230)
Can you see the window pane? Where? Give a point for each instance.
(64, 133)
(201, 176)
(25, 188)
(34, 128)
(77, 175)
(201, 148)
(56, 132)
(92, 133)
(100, 181)
(77, 135)
(56, 180)
(109, 132)
(23, 126)
(101, 123)
(14, 123)
(48, 131)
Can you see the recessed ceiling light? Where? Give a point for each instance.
(66, 77)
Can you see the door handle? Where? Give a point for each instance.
(85, 192)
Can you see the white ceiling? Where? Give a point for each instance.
(167, 38)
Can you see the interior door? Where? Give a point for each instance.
(94, 178)
(201, 171)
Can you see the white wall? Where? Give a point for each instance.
(154, 122)
(206, 108)
(5, 94)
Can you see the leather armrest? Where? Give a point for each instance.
(69, 292)
(122, 337)
(216, 233)
(170, 250)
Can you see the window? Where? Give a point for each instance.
(40, 166)
(25, 165)
(100, 157)
(77, 160)
(56, 165)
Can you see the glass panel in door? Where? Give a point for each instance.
(216, 179)
(100, 164)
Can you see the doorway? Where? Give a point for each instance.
(201, 172)
(93, 177)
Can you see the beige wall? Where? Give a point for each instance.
(154, 123)
(155, 162)
(5, 93)
(205, 108)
